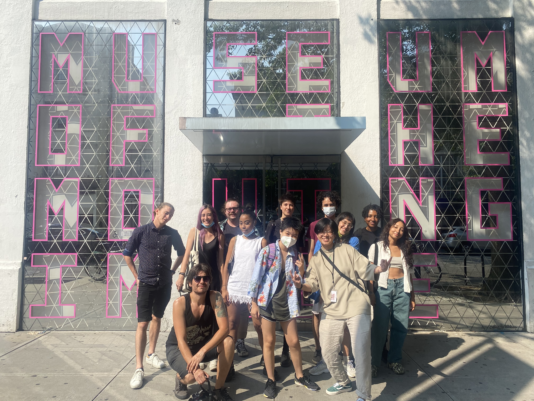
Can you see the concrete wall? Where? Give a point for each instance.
(184, 96)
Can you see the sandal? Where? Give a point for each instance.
(397, 368)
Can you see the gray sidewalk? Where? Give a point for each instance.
(98, 366)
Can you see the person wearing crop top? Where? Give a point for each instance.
(200, 334)
(395, 297)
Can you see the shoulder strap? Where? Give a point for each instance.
(354, 283)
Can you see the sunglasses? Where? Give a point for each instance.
(204, 279)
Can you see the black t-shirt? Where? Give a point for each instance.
(272, 233)
(367, 238)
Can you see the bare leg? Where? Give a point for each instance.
(226, 357)
(269, 342)
(153, 334)
(233, 319)
(140, 343)
(292, 337)
(346, 342)
(257, 327)
(316, 322)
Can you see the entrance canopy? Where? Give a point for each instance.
(268, 136)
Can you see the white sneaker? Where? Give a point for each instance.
(319, 369)
(137, 379)
(155, 361)
(351, 370)
(213, 365)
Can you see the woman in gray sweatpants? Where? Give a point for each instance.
(336, 270)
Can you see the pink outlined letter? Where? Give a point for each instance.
(52, 52)
(66, 196)
(117, 186)
(223, 61)
(296, 62)
(120, 134)
(308, 110)
(473, 134)
(423, 81)
(52, 307)
(423, 210)
(423, 134)
(72, 114)
(501, 212)
(473, 49)
(122, 61)
(119, 275)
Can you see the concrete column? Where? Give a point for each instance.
(524, 37)
(15, 39)
(360, 163)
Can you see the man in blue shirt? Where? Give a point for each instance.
(153, 243)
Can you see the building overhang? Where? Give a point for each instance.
(272, 136)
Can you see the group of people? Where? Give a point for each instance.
(227, 271)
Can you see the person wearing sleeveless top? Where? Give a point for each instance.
(395, 297)
(200, 334)
(242, 250)
(211, 246)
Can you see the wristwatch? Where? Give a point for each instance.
(182, 274)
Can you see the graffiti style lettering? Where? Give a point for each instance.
(473, 134)
(474, 49)
(52, 307)
(499, 212)
(129, 123)
(119, 275)
(117, 187)
(308, 110)
(423, 210)
(423, 80)
(52, 52)
(124, 69)
(247, 64)
(296, 62)
(46, 196)
(53, 123)
(423, 134)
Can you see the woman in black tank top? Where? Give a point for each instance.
(199, 331)
(210, 251)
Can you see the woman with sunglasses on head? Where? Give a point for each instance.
(243, 251)
(275, 298)
(395, 297)
(339, 271)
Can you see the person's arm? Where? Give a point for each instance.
(412, 296)
(257, 276)
(178, 245)
(220, 253)
(221, 315)
(225, 274)
(185, 259)
(132, 246)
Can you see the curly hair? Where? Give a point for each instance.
(369, 207)
(332, 195)
(403, 243)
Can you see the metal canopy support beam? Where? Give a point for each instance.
(268, 136)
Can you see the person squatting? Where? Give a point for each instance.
(227, 271)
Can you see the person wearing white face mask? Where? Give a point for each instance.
(275, 298)
(330, 202)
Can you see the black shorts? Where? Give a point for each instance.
(177, 361)
(152, 300)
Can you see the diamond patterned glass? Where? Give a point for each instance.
(95, 168)
(272, 69)
(449, 167)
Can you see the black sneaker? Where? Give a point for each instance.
(262, 362)
(276, 376)
(306, 382)
(317, 356)
(270, 389)
(180, 390)
(231, 373)
(285, 361)
(221, 395)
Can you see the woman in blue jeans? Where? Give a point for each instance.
(395, 297)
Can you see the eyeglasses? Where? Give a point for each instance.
(232, 208)
(204, 279)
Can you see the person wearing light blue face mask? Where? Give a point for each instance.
(242, 252)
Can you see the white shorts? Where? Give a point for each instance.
(318, 308)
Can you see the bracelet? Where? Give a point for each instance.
(181, 274)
